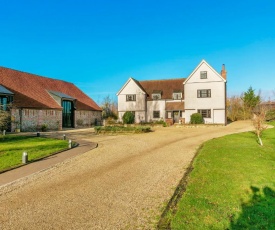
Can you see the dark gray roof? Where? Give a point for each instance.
(61, 95)
(3, 90)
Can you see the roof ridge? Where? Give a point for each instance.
(169, 79)
(34, 75)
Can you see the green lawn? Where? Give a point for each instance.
(12, 147)
(232, 185)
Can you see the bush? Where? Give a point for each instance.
(44, 128)
(196, 118)
(161, 122)
(128, 118)
(270, 115)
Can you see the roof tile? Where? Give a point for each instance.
(31, 91)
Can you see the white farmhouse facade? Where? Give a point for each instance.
(175, 100)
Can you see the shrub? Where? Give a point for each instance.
(44, 128)
(161, 122)
(196, 118)
(128, 117)
(270, 115)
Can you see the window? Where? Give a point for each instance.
(156, 114)
(204, 93)
(156, 96)
(5, 101)
(177, 96)
(131, 97)
(206, 113)
(169, 114)
(203, 74)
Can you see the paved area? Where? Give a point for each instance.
(122, 184)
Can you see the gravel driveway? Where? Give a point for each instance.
(123, 184)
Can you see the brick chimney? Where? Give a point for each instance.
(223, 72)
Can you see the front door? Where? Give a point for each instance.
(67, 114)
(176, 116)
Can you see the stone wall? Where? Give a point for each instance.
(32, 120)
(85, 118)
(29, 120)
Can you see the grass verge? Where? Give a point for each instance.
(232, 186)
(12, 147)
(122, 129)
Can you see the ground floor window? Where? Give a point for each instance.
(156, 114)
(169, 114)
(206, 113)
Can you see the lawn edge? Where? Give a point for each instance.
(171, 207)
(74, 145)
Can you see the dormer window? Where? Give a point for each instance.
(156, 95)
(203, 74)
(177, 95)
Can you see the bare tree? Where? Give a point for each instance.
(259, 122)
(109, 108)
(234, 106)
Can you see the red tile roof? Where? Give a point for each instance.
(174, 106)
(167, 87)
(31, 91)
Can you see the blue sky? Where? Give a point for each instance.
(98, 45)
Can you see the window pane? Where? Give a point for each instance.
(204, 93)
(130, 97)
(206, 113)
(156, 114)
(177, 96)
(203, 74)
(156, 96)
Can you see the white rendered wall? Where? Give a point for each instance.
(157, 105)
(216, 102)
(138, 105)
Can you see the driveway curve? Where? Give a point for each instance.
(123, 184)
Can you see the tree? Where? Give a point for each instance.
(4, 119)
(109, 108)
(250, 101)
(259, 122)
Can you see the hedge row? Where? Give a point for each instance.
(122, 129)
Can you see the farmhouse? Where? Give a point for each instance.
(175, 100)
(36, 101)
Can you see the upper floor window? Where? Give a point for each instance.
(156, 96)
(177, 95)
(130, 97)
(203, 74)
(206, 113)
(5, 101)
(204, 93)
